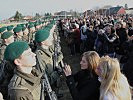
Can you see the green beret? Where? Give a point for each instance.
(15, 50)
(9, 28)
(2, 29)
(30, 25)
(47, 28)
(53, 22)
(22, 25)
(41, 35)
(18, 25)
(36, 24)
(6, 35)
(17, 29)
(12, 25)
(23, 28)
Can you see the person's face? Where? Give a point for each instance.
(118, 26)
(99, 69)
(32, 29)
(90, 27)
(84, 63)
(28, 58)
(10, 39)
(48, 41)
(26, 31)
(20, 33)
(108, 29)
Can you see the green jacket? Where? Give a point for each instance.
(25, 86)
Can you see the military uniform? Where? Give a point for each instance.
(25, 38)
(2, 50)
(25, 86)
(46, 56)
(18, 39)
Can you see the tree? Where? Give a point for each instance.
(37, 16)
(126, 6)
(18, 16)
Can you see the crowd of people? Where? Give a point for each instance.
(32, 49)
(110, 36)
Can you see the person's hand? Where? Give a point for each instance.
(67, 70)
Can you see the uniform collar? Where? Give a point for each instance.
(46, 51)
(33, 78)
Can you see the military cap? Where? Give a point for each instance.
(30, 25)
(23, 28)
(15, 50)
(18, 25)
(11, 25)
(17, 29)
(2, 29)
(47, 28)
(6, 35)
(22, 25)
(41, 35)
(9, 28)
(36, 24)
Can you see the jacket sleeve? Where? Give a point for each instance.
(20, 94)
(86, 91)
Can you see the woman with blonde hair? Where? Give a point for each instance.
(87, 87)
(114, 85)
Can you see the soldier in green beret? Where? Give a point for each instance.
(18, 33)
(25, 34)
(37, 25)
(7, 38)
(44, 41)
(10, 29)
(26, 81)
(2, 30)
(44, 52)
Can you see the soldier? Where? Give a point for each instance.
(2, 30)
(10, 29)
(31, 32)
(7, 38)
(42, 37)
(25, 83)
(18, 33)
(25, 34)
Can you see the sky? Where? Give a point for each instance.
(8, 8)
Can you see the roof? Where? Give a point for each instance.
(113, 10)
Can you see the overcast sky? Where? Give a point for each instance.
(30, 7)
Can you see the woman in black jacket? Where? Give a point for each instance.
(87, 87)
